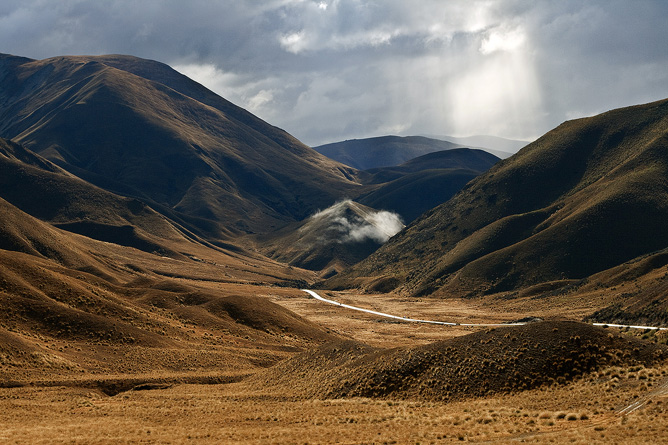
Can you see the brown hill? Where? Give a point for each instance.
(494, 361)
(71, 304)
(165, 139)
(333, 238)
(587, 196)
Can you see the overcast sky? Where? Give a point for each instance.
(328, 70)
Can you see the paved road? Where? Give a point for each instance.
(396, 317)
(415, 320)
(629, 326)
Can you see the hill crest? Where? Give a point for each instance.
(564, 207)
(175, 144)
(382, 151)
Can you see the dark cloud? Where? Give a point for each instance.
(328, 70)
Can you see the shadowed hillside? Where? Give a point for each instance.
(49, 193)
(383, 151)
(421, 184)
(140, 129)
(587, 196)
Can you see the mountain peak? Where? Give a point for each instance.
(139, 128)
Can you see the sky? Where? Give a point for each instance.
(330, 70)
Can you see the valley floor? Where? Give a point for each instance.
(587, 411)
(174, 410)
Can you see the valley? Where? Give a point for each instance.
(162, 406)
(174, 268)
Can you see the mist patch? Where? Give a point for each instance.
(349, 222)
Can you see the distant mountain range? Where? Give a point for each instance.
(500, 147)
(388, 151)
(383, 151)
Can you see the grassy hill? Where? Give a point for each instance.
(501, 360)
(140, 129)
(587, 196)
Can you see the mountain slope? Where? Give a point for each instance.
(420, 184)
(49, 193)
(383, 151)
(334, 238)
(587, 196)
(174, 144)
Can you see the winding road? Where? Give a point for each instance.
(416, 320)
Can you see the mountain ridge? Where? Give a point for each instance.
(549, 212)
(382, 151)
(153, 142)
(422, 183)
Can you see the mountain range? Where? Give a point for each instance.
(154, 236)
(130, 152)
(382, 151)
(127, 188)
(388, 151)
(501, 147)
(138, 128)
(586, 197)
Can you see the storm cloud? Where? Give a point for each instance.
(328, 70)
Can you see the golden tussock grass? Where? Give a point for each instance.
(585, 411)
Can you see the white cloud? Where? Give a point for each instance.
(294, 42)
(260, 100)
(345, 226)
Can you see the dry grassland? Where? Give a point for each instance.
(167, 407)
(583, 412)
